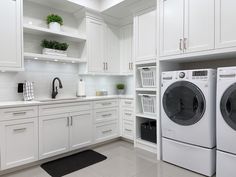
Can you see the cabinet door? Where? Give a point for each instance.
(19, 142)
(199, 27)
(80, 130)
(95, 46)
(225, 23)
(171, 27)
(53, 135)
(11, 34)
(145, 36)
(112, 49)
(126, 49)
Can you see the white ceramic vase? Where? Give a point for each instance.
(54, 26)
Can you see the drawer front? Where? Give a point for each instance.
(106, 115)
(106, 131)
(128, 130)
(127, 103)
(64, 108)
(19, 142)
(128, 114)
(18, 113)
(105, 104)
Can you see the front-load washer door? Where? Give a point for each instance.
(184, 103)
(228, 106)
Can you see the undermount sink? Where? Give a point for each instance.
(58, 99)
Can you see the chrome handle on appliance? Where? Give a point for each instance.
(71, 121)
(185, 43)
(180, 44)
(19, 129)
(19, 113)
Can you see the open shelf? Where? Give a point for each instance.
(42, 57)
(148, 116)
(146, 89)
(31, 29)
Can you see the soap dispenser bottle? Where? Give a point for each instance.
(81, 88)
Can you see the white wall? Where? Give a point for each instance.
(42, 74)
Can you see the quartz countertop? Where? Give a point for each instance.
(8, 104)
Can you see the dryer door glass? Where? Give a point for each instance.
(184, 103)
(228, 106)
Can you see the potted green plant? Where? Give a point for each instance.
(54, 22)
(120, 89)
(54, 48)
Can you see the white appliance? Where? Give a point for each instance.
(226, 122)
(188, 119)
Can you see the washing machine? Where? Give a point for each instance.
(188, 119)
(226, 122)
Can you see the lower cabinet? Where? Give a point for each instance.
(64, 132)
(18, 142)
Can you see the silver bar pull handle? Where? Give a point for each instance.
(19, 113)
(71, 121)
(185, 43)
(107, 131)
(180, 44)
(19, 129)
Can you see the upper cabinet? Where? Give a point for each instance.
(11, 35)
(225, 23)
(145, 35)
(126, 48)
(186, 26)
(95, 45)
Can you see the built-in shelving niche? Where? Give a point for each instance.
(35, 30)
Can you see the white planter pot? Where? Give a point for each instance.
(54, 26)
(54, 52)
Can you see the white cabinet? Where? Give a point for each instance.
(126, 49)
(112, 49)
(186, 26)
(225, 23)
(62, 132)
(18, 142)
(53, 135)
(11, 35)
(145, 35)
(172, 27)
(95, 45)
(81, 130)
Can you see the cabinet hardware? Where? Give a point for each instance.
(185, 43)
(68, 121)
(106, 115)
(129, 130)
(132, 66)
(104, 66)
(180, 44)
(71, 121)
(128, 102)
(107, 131)
(129, 66)
(128, 114)
(105, 104)
(19, 129)
(19, 113)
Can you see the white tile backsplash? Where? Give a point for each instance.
(42, 74)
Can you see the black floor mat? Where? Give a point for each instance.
(66, 165)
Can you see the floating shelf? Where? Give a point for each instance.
(148, 116)
(42, 57)
(31, 29)
(146, 89)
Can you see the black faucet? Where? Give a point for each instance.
(55, 90)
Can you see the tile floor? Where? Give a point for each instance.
(123, 161)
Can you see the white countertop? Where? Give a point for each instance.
(8, 104)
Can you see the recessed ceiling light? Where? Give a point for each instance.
(36, 58)
(56, 60)
(73, 62)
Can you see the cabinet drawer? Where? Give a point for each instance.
(18, 113)
(106, 131)
(127, 114)
(128, 130)
(19, 142)
(106, 115)
(105, 104)
(127, 103)
(64, 108)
